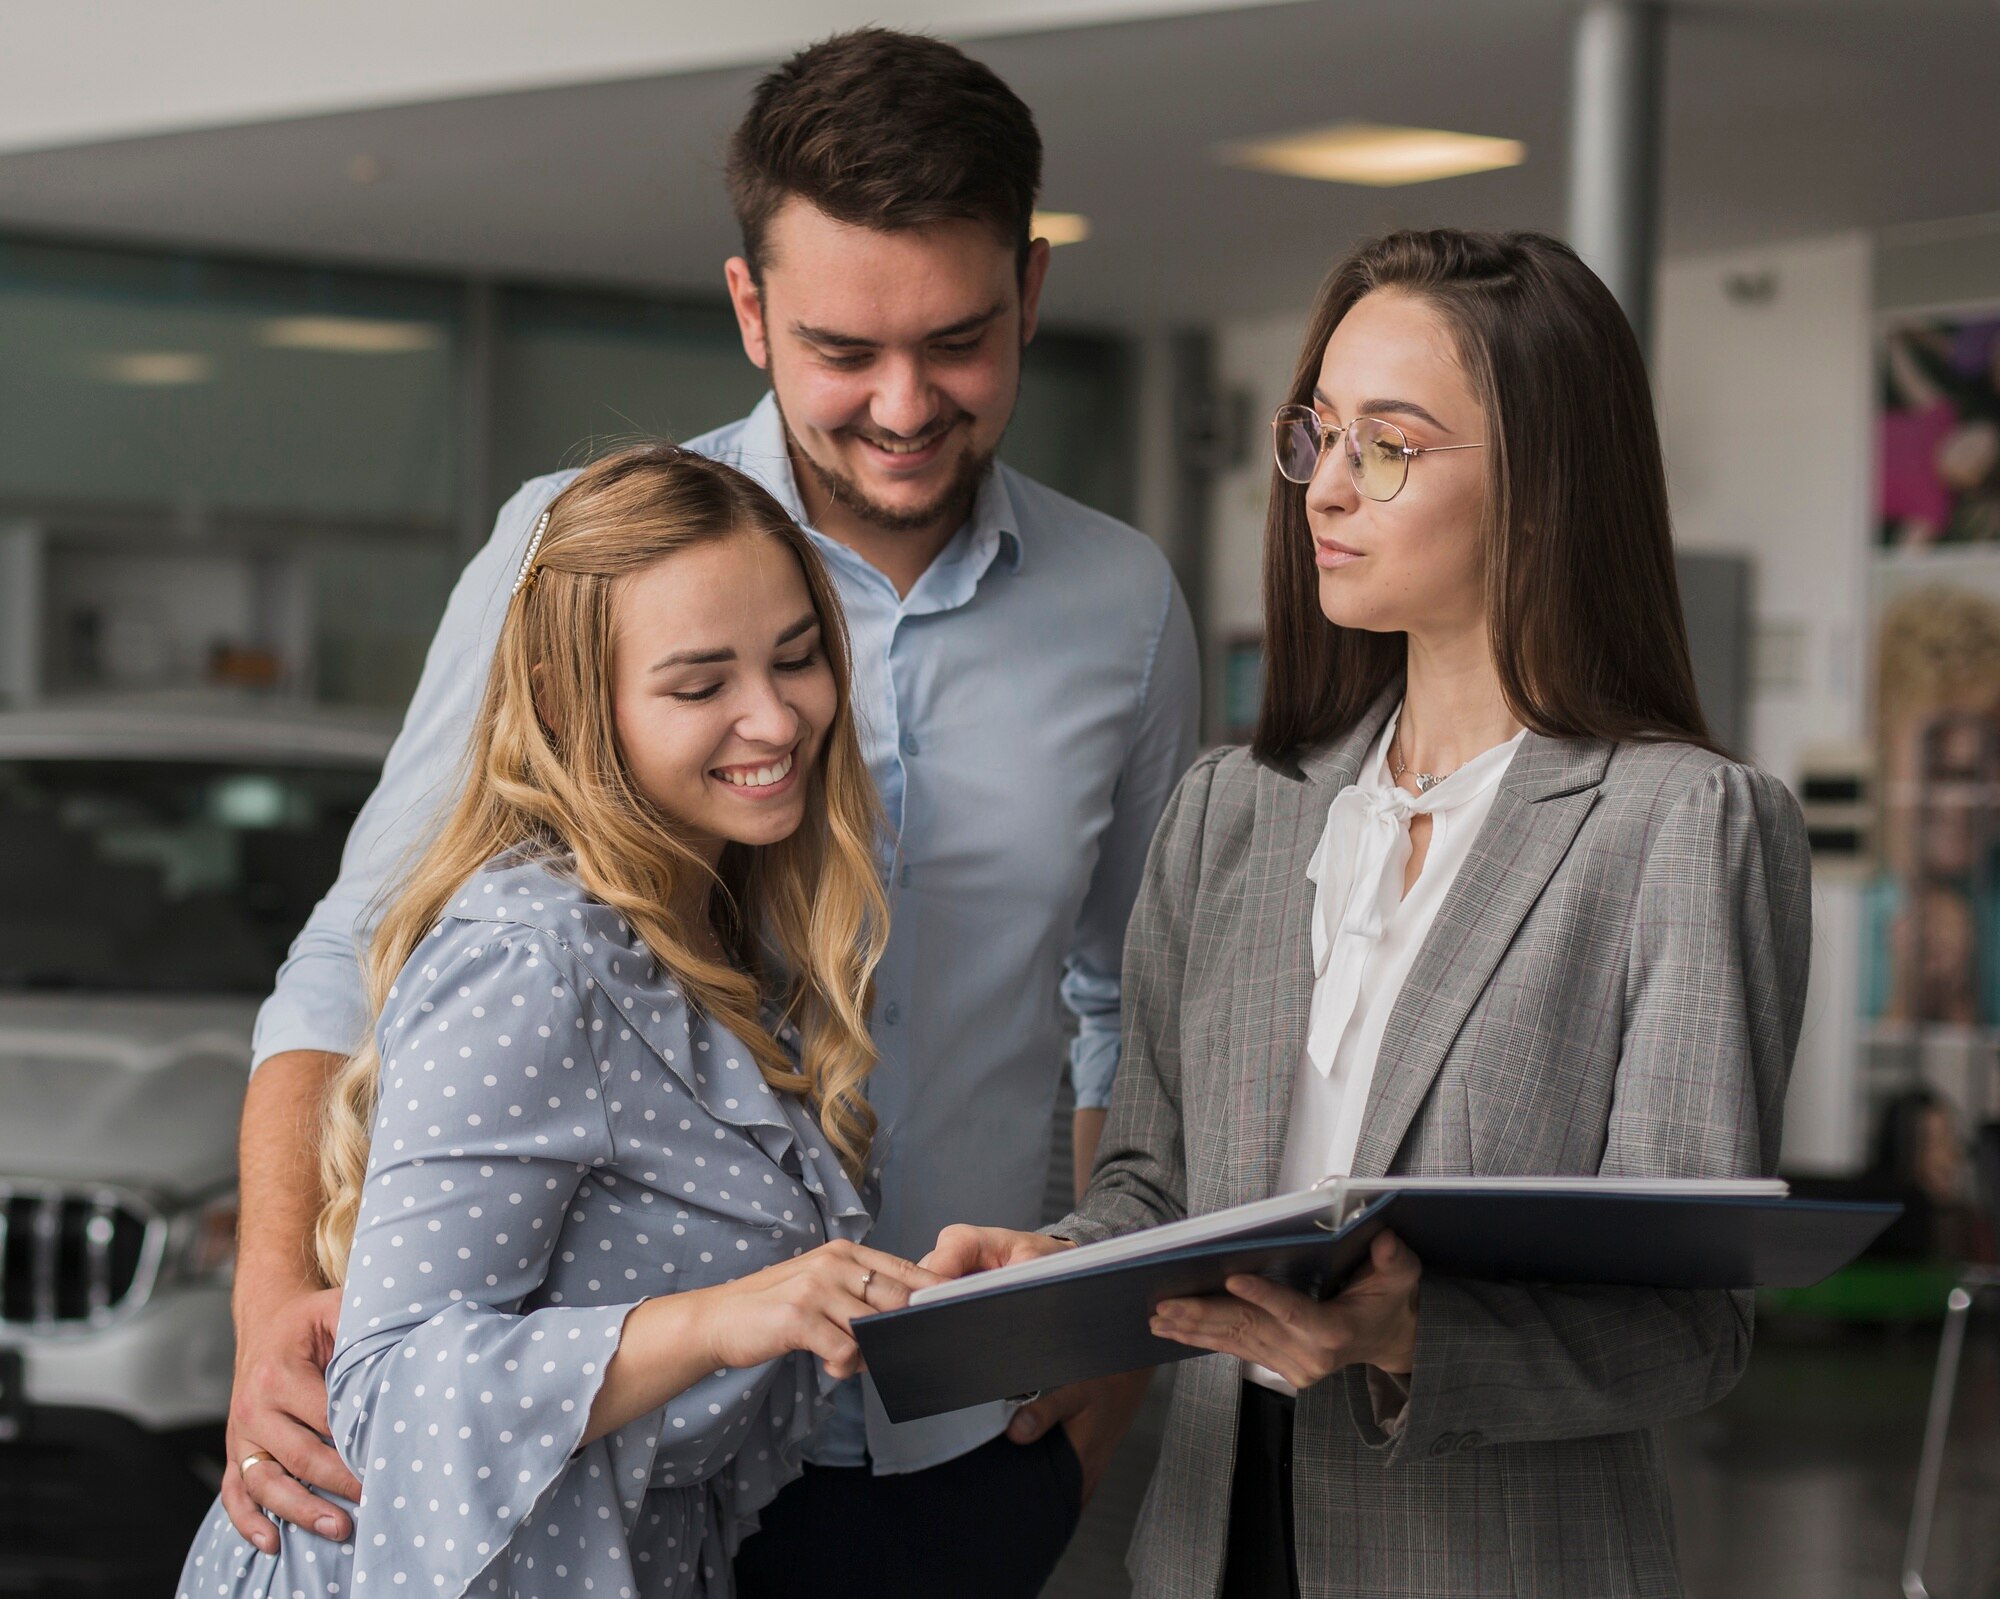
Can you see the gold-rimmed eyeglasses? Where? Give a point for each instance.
(1378, 453)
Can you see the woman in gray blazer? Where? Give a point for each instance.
(1483, 897)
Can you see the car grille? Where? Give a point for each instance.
(70, 1255)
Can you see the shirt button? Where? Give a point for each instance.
(909, 743)
(1443, 1444)
(892, 1013)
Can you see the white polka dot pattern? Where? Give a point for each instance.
(557, 1140)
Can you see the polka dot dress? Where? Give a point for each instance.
(558, 1140)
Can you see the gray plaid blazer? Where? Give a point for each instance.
(1613, 985)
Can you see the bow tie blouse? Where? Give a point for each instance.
(1365, 936)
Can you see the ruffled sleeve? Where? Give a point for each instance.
(459, 1390)
(544, 1087)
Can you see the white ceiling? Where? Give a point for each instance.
(125, 68)
(1783, 118)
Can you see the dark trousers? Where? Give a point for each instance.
(988, 1525)
(1262, 1560)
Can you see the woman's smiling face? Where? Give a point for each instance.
(1412, 564)
(721, 689)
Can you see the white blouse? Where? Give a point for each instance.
(1366, 933)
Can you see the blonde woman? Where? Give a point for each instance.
(593, 1185)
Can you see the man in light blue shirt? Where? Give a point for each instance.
(1025, 687)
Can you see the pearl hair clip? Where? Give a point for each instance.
(527, 572)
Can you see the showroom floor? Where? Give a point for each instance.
(1796, 1487)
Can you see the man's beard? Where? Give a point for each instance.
(949, 508)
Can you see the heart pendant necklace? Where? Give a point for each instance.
(1426, 781)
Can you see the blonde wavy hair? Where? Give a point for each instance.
(802, 922)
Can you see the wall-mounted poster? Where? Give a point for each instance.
(1938, 481)
(1935, 910)
(1932, 990)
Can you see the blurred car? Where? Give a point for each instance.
(154, 865)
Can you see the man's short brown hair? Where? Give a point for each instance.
(887, 131)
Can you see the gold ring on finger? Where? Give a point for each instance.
(252, 1460)
(867, 1277)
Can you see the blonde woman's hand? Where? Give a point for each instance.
(807, 1303)
(961, 1251)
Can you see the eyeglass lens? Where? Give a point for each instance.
(1375, 450)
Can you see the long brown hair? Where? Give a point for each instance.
(802, 921)
(1583, 610)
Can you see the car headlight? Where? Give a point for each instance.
(201, 1241)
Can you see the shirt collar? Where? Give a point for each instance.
(763, 454)
(993, 514)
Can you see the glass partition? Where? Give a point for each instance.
(132, 380)
(578, 375)
(1076, 425)
(251, 478)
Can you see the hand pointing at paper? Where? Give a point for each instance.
(961, 1251)
(1094, 1416)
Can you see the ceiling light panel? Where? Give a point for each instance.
(1376, 154)
(347, 335)
(156, 369)
(1060, 227)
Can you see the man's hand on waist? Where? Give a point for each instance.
(277, 1411)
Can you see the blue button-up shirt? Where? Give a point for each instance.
(1025, 709)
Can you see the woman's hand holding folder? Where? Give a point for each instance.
(1370, 1322)
(1504, 1257)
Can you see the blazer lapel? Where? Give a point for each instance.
(1279, 974)
(1548, 791)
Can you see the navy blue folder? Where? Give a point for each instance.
(1093, 1321)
